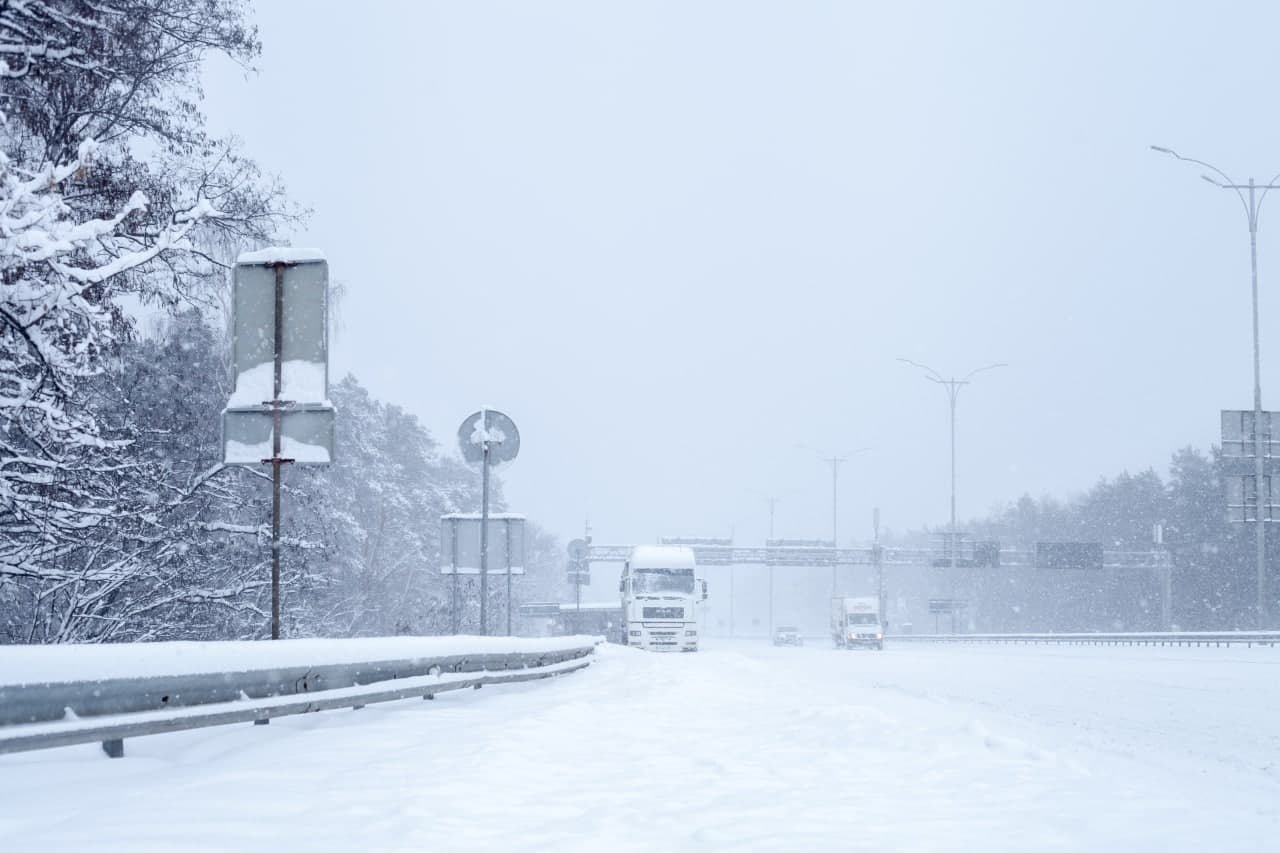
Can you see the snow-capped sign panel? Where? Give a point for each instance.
(1069, 555)
(304, 292)
(306, 435)
(489, 426)
(460, 543)
(1238, 436)
(1242, 498)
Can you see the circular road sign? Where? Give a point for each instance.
(489, 426)
(578, 550)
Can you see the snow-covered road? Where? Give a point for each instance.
(740, 747)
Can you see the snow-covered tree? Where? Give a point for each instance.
(86, 221)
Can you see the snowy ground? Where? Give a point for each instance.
(740, 747)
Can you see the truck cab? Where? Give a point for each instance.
(660, 598)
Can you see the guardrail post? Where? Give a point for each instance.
(114, 748)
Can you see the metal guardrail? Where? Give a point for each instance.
(890, 558)
(45, 715)
(1155, 638)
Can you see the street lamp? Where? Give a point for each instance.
(835, 462)
(1252, 206)
(953, 387)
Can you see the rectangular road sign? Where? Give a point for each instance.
(1068, 555)
(1239, 438)
(304, 344)
(540, 610)
(946, 605)
(1242, 499)
(306, 435)
(460, 544)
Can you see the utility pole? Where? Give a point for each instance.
(835, 462)
(773, 506)
(953, 386)
(877, 557)
(1252, 206)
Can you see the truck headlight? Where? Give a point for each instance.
(634, 633)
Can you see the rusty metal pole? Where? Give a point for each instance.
(453, 561)
(508, 526)
(277, 418)
(484, 530)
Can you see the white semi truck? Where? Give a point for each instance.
(660, 598)
(856, 622)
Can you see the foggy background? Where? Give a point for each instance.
(674, 241)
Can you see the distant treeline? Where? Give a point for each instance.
(1214, 577)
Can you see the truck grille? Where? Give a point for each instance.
(663, 613)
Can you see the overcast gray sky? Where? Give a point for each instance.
(675, 240)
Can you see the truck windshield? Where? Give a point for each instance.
(648, 581)
(863, 619)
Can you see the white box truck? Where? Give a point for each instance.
(855, 622)
(660, 598)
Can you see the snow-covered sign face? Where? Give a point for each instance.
(248, 422)
(491, 428)
(303, 345)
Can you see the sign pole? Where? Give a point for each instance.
(486, 437)
(877, 556)
(268, 283)
(508, 526)
(484, 530)
(454, 563)
(277, 418)
(771, 601)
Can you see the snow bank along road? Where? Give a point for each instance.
(740, 747)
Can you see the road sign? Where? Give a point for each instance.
(580, 577)
(306, 435)
(488, 438)
(578, 550)
(708, 551)
(946, 605)
(1242, 498)
(540, 610)
(799, 552)
(986, 554)
(279, 410)
(460, 544)
(1239, 438)
(1069, 555)
(491, 427)
(303, 296)
(280, 359)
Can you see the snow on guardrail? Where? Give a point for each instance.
(60, 695)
